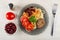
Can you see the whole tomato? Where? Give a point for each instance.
(10, 15)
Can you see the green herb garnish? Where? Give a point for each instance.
(32, 19)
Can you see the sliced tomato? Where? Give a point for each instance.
(26, 23)
(29, 27)
(23, 19)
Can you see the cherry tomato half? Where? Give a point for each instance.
(10, 15)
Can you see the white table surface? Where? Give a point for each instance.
(19, 34)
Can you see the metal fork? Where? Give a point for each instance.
(54, 13)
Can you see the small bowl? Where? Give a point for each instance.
(46, 18)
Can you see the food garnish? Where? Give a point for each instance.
(32, 19)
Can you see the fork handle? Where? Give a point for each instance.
(52, 29)
(52, 26)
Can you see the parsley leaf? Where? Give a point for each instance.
(32, 19)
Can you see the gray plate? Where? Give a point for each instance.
(36, 31)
